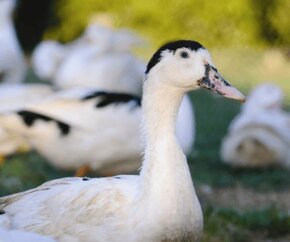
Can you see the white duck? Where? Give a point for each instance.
(22, 236)
(160, 204)
(260, 135)
(102, 60)
(12, 62)
(103, 121)
(13, 97)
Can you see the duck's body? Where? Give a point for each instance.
(160, 204)
(22, 236)
(260, 135)
(100, 58)
(70, 126)
(12, 62)
(119, 72)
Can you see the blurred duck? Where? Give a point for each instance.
(12, 62)
(160, 204)
(100, 58)
(13, 97)
(260, 135)
(22, 236)
(88, 129)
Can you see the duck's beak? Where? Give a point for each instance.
(216, 83)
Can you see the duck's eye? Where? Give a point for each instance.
(184, 54)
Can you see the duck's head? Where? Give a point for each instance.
(187, 64)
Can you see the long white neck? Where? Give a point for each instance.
(166, 184)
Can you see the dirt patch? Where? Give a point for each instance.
(239, 197)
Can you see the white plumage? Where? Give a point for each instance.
(22, 236)
(160, 204)
(260, 135)
(100, 58)
(105, 138)
(12, 62)
(13, 97)
(47, 57)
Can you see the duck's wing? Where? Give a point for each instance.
(7, 200)
(67, 204)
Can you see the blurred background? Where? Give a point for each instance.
(250, 43)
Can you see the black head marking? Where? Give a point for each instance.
(86, 179)
(2, 212)
(172, 46)
(107, 98)
(29, 118)
(117, 177)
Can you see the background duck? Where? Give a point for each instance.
(106, 209)
(12, 62)
(103, 60)
(105, 122)
(260, 135)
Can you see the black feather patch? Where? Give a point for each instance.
(108, 98)
(2, 212)
(29, 118)
(172, 46)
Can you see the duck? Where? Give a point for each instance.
(259, 136)
(12, 97)
(22, 236)
(105, 121)
(159, 204)
(12, 61)
(102, 59)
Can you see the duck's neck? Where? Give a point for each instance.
(165, 176)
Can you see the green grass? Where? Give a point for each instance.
(228, 225)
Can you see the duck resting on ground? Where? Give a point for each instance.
(260, 135)
(160, 204)
(106, 122)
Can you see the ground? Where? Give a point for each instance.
(240, 205)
